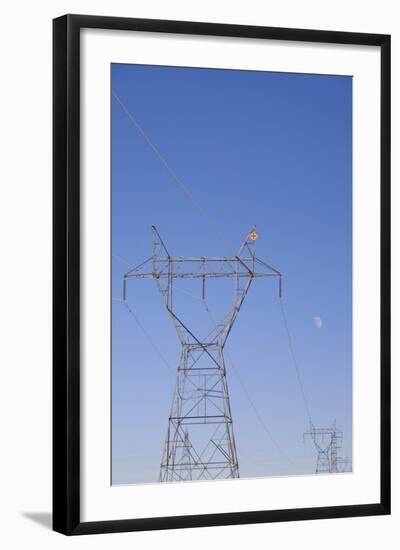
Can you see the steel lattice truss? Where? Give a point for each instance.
(328, 441)
(200, 442)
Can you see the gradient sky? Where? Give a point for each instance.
(271, 149)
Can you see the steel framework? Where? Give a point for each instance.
(200, 442)
(327, 441)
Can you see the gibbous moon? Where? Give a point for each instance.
(318, 322)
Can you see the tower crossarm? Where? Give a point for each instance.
(164, 269)
(327, 442)
(199, 267)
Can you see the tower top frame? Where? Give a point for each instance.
(164, 268)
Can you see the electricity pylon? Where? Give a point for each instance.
(345, 465)
(327, 441)
(200, 442)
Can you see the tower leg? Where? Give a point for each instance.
(323, 463)
(200, 442)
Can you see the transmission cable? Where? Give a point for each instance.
(258, 415)
(119, 259)
(172, 172)
(247, 394)
(295, 362)
(150, 340)
(147, 335)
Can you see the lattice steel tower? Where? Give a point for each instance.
(327, 441)
(200, 442)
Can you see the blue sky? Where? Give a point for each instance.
(271, 149)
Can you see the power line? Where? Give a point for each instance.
(258, 415)
(119, 259)
(147, 335)
(247, 394)
(294, 359)
(172, 172)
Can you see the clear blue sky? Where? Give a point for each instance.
(271, 149)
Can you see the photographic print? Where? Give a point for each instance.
(221, 341)
(231, 195)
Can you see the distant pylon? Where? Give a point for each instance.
(327, 441)
(345, 465)
(201, 399)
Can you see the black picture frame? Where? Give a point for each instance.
(66, 273)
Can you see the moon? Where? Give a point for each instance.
(318, 322)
